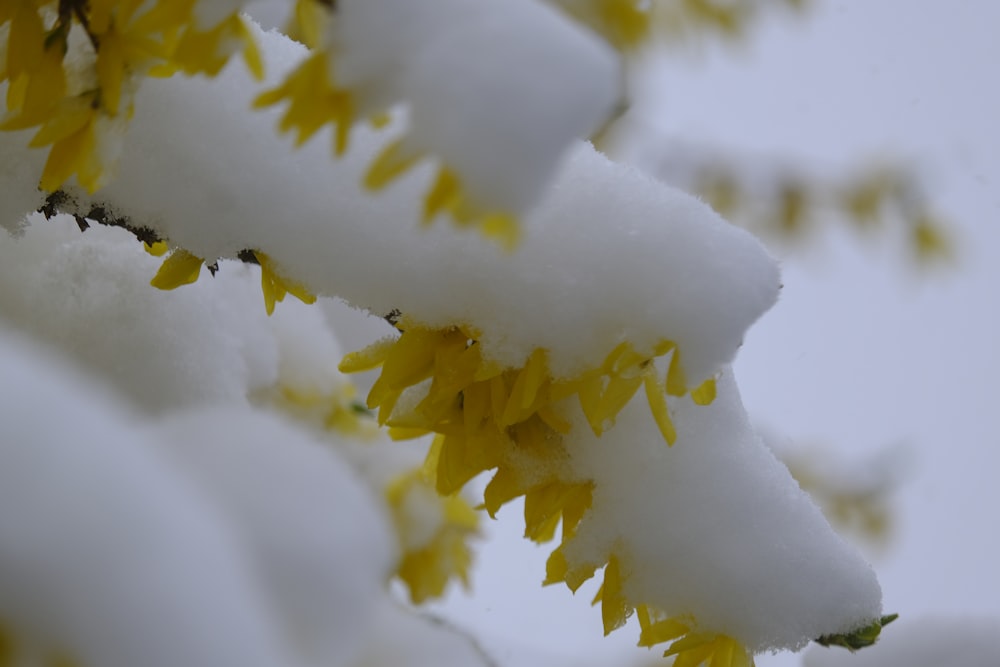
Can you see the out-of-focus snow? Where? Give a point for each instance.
(107, 553)
(318, 536)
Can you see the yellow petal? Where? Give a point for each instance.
(676, 384)
(110, 69)
(614, 608)
(26, 41)
(251, 54)
(72, 115)
(392, 162)
(662, 631)
(704, 394)
(65, 158)
(180, 268)
(444, 193)
(158, 249)
(658, 405)
(367, 358)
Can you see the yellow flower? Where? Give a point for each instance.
(275, 286)
(429, 562)
(208, 51)
(157, 249)
(128, 38)
(624, 23)
(36, 89)
(312, 103)
(690, 647)
(180, 268)
(446, 195)
(489, 417)
(309, 22)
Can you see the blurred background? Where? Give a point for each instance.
(859, 139)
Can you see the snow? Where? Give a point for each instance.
(319, 537)
(609, 255)
(89, 294)
(712, 528)
(501, 117)
(108, 554)
(715, 528)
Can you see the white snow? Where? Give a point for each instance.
(107, 554)
(715, 528)
(317, 534)
(609, 255)
(89, 294)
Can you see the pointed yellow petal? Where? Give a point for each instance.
(525, 391)
(367, 358)
(658, 405)
(389, 164)
(65, 158)
(158, 249)
(616, 395)
(502, 228)
(591, 388)
(504, 487)
(251, 54)
(555, 568)
(180, 268)
(453, 469)
(676, 384)
(614, 608)
(110, 69)
(445, 192)
(73, 115)
(662, 631)
(704, 394)
(690, 642)
(26, 40)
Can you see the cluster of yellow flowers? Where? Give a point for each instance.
(433, 531)
(117, 41)
(488, 417)
(81, 104)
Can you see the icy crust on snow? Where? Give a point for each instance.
(609, 255)
(107, 554)
(931, 641)
(715, 528)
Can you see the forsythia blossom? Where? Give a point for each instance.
(494, 91)
(588, 372)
